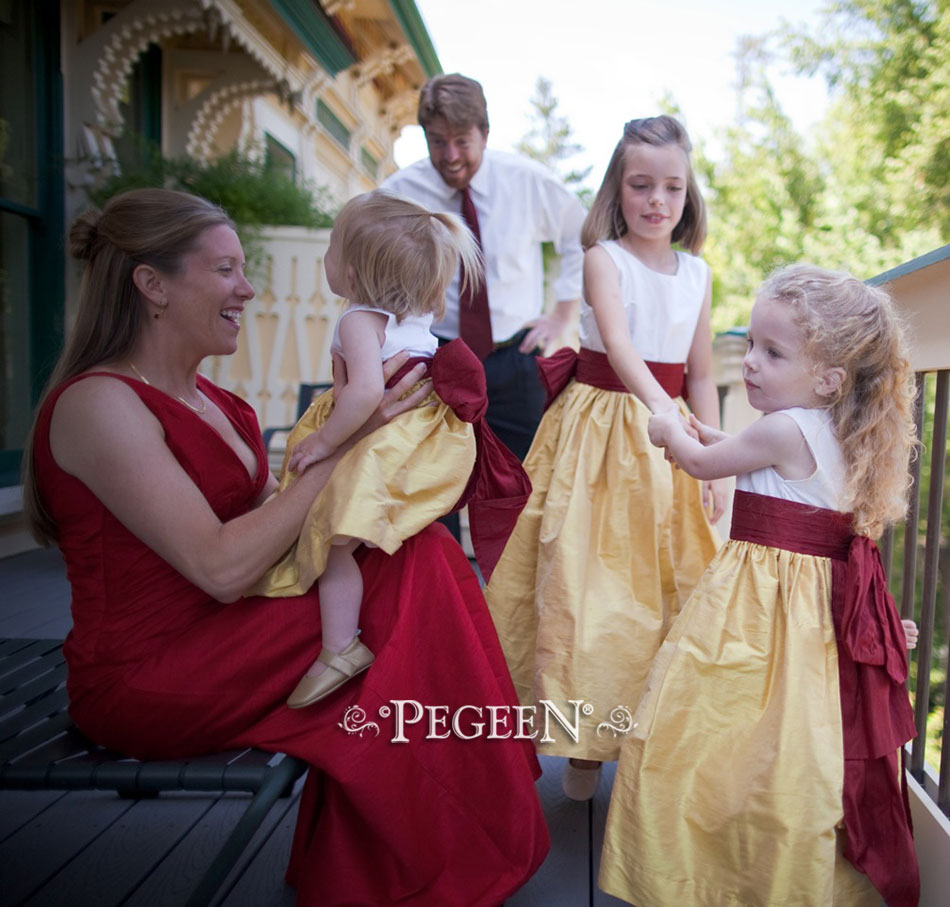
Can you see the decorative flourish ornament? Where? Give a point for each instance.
(621, 722)
(352, 717)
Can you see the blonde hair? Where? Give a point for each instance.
(848, 324)
(605, 219)
(401, 257)
(156, 227)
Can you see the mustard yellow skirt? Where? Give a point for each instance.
(604, 555)
(386, 488)
(728, 790)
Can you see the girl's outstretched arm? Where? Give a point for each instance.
(774, 440)
(602, 291)
(704, 397)
(361, 335)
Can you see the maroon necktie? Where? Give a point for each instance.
(474, 317)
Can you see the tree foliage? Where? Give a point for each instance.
(871, 188)
(549, 139)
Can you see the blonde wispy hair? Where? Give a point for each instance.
(605, 219)
(401, 257)
(849, 324)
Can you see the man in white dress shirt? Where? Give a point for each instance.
(519, 205)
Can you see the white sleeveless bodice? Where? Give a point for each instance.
(412, 333)
(825, 486)
(662, 309)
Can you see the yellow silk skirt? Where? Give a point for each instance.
(728, 790)
(604, 555)
(386, 488)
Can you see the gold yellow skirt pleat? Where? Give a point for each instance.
(604, 555)
(728, 789)
(386, 488)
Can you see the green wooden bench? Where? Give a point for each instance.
(40, 748)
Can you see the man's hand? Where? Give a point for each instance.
(546, 330)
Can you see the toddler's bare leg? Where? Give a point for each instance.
(341, 595)
(343, 656)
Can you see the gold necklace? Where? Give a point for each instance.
(191, 406)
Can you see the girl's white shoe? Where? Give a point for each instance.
(580, 783)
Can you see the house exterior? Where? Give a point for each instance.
(319, 87)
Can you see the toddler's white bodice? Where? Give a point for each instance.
(825, 486)
(412, 333)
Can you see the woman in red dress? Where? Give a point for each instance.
(154, 483)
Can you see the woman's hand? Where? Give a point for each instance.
(393, 403)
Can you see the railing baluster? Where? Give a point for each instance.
(913, 509)
(943, 787)
(887, 551)
(931, 558)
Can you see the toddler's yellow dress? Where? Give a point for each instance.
(389, 485)
(730, 788)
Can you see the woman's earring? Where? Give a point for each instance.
(161, 309)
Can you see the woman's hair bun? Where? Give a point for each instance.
(84, 235)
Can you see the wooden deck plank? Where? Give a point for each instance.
(20, 807)
(261, 882)
(564, 877)
(51, 841)
(123, 855)
(176, 877)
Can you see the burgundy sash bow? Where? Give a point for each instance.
(876, 716)
(498, 488)
(591, 367)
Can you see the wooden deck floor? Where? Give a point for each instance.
(93, 849)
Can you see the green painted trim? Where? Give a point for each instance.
(46, 256)
(415, 29)
(309, 23)
(333, 124)
(908, 267)
(150, 96)
(48, 291)
(370, 164)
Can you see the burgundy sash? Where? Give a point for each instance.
(590, 367)
(498, 487)
(876, 716)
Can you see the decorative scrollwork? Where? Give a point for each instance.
(354, 722)
(621, 722)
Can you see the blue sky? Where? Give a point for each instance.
(609, 61)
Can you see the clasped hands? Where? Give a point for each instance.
(664, 425)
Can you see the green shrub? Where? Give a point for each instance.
(252, 193)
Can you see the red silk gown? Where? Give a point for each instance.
(157, 669)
